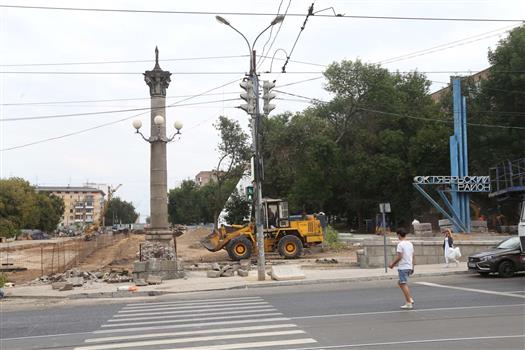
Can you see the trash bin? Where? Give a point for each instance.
(369, 226)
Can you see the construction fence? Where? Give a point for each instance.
(40, 258)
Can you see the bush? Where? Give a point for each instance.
(3, 280)
(332, 238)
(7, 228)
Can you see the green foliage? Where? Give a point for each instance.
(119, 211)
(22, 207)
(332, 239)
(3, 280)
(238, 208)
(185, 204)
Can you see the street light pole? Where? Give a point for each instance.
(256, 137)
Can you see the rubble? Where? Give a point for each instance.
(326, 261)
(228, 269)
(155, 250)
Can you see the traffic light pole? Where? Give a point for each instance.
(257, 188)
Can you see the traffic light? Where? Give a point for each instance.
(268, 96)
(249, 193)
(248, 96)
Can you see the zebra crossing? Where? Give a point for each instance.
(205, 324)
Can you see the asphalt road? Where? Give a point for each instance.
(454, 312)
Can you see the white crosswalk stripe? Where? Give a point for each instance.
(207, 324)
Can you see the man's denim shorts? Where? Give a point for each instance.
(403, 276)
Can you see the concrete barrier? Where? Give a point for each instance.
(425, 252)
(287, 272)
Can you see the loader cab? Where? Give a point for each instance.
(275, 213)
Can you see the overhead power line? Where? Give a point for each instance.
(55, 116)
(109, 123)
(335, 15)
(408, 116)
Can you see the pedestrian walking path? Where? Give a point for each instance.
(206, 324)
(197, 281)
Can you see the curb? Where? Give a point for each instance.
(153, 293)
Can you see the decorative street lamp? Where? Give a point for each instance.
(256, 127)
(158, 256)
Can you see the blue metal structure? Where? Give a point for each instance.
(508, 179)
(459, 157)
(457, 208)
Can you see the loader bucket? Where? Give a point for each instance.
(212, 241)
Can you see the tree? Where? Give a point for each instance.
(185, 204)
(50, 211)
(234, 154)
(238, 208)
(120, 211)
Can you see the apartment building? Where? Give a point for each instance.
(82, 205)
(204, 177)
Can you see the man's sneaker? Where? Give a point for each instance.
(407, 306)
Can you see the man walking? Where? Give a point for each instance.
(405, 266)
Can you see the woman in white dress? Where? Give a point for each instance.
(448, 244)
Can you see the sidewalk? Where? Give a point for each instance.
(197, 281)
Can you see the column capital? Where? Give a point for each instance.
(157, 79)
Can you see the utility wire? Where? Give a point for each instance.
(55, 116)
(276, 34)
(107, 124)
(408, 116)
(144, 98)
(445, 46)
(310, 13)
(121, 62)
(335, 15)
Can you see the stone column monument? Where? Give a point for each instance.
(158, 256)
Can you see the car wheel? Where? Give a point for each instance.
(506, 269)
(239, 248)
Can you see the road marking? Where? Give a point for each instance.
(471, 290)
(254, 308)
(229, 312)
(189, 325)
(190, 307)
(186, 320)
(516, 291)
(404, 311)
(203, 331)
(250, 345)
(193, 301)
(189, 340)
(410, 342)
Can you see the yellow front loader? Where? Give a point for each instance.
(289, 235)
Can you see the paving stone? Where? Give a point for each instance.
(215, 267)
(67, 286)
(243, 273)
(152, 279)
(245, 264)
(213, 274)
(58, 285)
(76, 281)
(140, 282)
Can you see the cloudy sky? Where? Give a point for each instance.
(55, 63)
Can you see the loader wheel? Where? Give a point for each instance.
(239, 248)
(290, 247)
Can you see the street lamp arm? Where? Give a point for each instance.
(173, 136)
(145, 139)
(261, 33)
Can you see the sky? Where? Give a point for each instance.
(63, 62)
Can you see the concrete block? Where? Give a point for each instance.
(58, 285)
(216, 267)
(67, 286)
(245, 264)
(423, 227)
(140, 282)
(139, 266)
(287, 272)
(153, 279)
(213, 274)
(76, 281)
(243, 273)
(432, 259)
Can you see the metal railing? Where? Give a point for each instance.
(508, 177)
